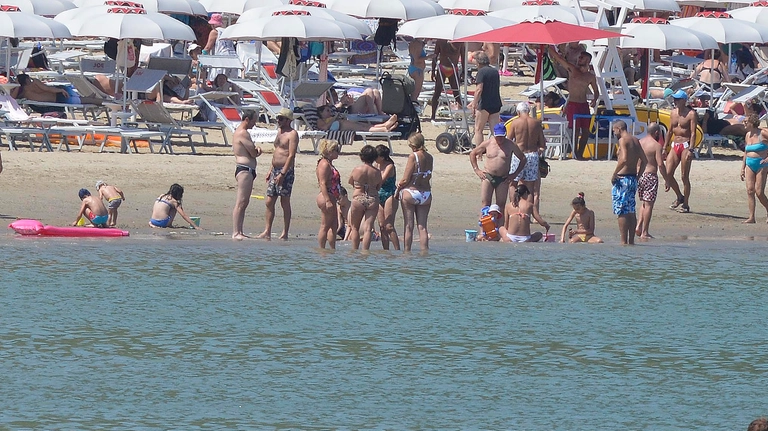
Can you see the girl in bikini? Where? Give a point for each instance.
(753, 168)
(415, 191)
(387, 198)
(167, 206)
(366, 180)
(519, 211)
(585, 223)
(330, 190)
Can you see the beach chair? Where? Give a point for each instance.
(18, 124)
(157, 118)
(269, 100)
(557, 135)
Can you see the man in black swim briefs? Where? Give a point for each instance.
(487, 101)
(246, 153)
(495, 174)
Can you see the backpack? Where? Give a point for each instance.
(386, 33)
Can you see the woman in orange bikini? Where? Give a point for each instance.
(366, 180)
(519, 211)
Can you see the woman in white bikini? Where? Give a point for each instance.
(366, 180)
(519, 211)
(415, 191)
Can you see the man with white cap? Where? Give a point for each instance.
(528, 134)
(498, 150)
(683, 123)
(280, 179)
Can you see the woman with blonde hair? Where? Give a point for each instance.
(415, 191)
(330, 188)
(366, 180)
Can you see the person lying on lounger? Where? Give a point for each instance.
(330, 122)
(33, 89)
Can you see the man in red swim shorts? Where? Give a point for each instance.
(683, 123)
(580, 78)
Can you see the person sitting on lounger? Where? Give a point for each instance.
(174, 91)
(32, 89)
(330, 122)
(367, 102)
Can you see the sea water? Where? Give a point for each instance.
(209, 334)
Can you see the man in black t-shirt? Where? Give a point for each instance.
(487, 101)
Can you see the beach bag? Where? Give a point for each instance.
(543, 167)
(386, 32)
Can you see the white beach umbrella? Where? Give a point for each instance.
(712, 3)
(753, 14)
(40, 7)
(725, 30)
(395, 9)
(128, 23)
(26, 25)
(303, 27)
(485, 5)
(556, 12)
(655, 5)
(324, 13)
(664, 37)
(237, 7)
(181, 7)
(450, 27)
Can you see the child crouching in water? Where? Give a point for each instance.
(92, 208)
(585, 223)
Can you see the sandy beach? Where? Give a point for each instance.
(44, 186)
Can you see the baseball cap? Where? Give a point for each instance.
(99, 184)
(286, 113)
(192, 47)
(499, 130)
(679, 94)
(493, 208)
(83, 193)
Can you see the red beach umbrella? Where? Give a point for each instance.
(540, 31)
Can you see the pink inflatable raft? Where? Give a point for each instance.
(34, 227)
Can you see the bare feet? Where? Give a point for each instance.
(265, 235)
(239, 236)
(284, 236)
(646, 236)
(749, 221)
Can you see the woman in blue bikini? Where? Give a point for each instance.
(387, 198)
(418, 64)
(753, 168)
(167, 206)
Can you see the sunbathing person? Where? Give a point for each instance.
(368, 102)
(174, 91)
(330, 122)
(32, 89)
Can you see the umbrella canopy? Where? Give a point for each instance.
(657, 5)
(556, 12)
(324, 13)
(395, 9)
(304, 27)
(753, 14)
(181, 7)
(21, 25)
(540, 31)
(450, 27)
(665, 36)
(725, 30)
(127, 23)
(40, 7)
(237, 7)
(486, 5)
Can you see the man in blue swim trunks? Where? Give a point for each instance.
(631, 160)
(93, 208)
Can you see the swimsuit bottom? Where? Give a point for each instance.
(99, 220)
(755, 163)
(413, 69)
(418, 196)
(623, 194)
(530, 170)
(678, 147)
(285, 188)
(161, 223)
(518, 238)
(574, 108)
(242, 168)
(648, 187)
(446, 71)
(114, 203)
(496, 181)
(334, 126)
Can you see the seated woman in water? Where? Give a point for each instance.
(330, 122)
(518, 213)
(167, 206)
(753, 166)
(585, 223)
(366, 180)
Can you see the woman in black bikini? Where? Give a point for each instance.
(366, 180)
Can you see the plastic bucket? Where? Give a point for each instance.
(471, 235)
(195, 220)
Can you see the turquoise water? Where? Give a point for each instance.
(209, 334)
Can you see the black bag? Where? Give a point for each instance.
(543, 167)
(386, 33)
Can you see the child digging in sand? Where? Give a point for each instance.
(114, 197)
(585, 223)
(92, 208)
